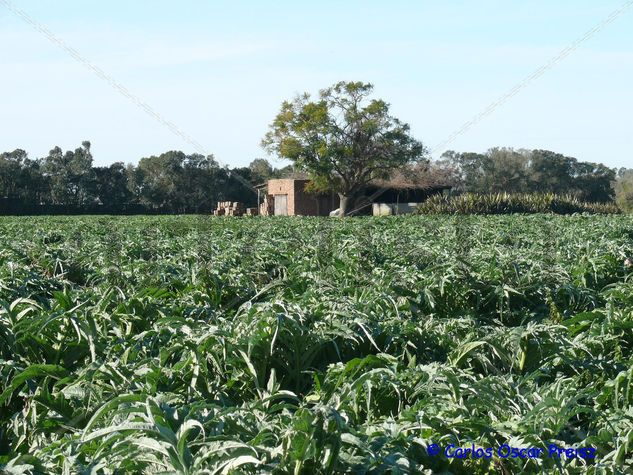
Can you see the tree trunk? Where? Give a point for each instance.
(343, 205)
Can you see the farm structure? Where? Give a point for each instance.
(233, 208)
(288, 197)
(389, 198)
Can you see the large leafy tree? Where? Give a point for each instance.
(162, 181)
(69, 175)
(624, 189)
(201, 182)
(594, 181)
(110, 186)
(343, 140)
(524, 171)
(498, 170)
(551, 171)
(176, 182)
(21, 180)
(11, 173)
(261, 170)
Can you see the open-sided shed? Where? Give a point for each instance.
(289, 197)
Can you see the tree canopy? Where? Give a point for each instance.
(624, 189)
(343, 139)
(176, 182)
(172, 182)
(526, 171)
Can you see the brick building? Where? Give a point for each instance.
(288, 197)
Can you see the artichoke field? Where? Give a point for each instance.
(313, 345)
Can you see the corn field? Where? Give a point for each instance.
(199, 345)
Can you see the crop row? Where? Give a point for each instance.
(309, 345)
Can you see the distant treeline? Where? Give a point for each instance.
(174, 182)
(505, 170)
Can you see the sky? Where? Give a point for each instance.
(219, 70)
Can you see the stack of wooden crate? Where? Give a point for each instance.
(266, 208)
(229, 208)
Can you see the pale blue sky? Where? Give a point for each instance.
(220, 69)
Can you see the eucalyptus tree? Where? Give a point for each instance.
(624, 189)
(69, 175)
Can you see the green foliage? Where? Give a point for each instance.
(343, 140)
(503, 170)
(261, 170)
(172, 182)
(307, 345)
(68, 174)
(507, 203)
(624, 190)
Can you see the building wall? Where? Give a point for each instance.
(312, 204)
(284, 187)
(301, 203)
